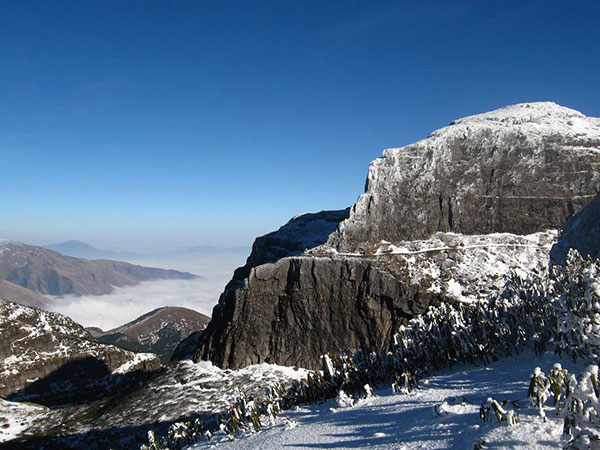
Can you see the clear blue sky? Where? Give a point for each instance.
(132, 124)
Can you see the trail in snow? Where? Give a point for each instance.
(392, 421)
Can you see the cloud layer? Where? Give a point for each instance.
(128, 303)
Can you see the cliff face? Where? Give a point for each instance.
(445, 219)
(519, 169)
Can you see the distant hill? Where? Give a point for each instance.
(47, 272)
(15, 293)
(80, 249)
(158, 331)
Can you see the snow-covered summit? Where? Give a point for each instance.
(553, 117)
(519, 169)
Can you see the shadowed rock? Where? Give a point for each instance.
(582, 233)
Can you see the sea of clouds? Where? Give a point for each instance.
(127, 303)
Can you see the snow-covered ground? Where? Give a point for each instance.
(17, 417)
(463, 267)
(396, 421)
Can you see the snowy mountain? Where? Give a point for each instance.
(429, 209)
(158, 331)
(47, 358)
(47, 272)
(436, 273)
(518, 169)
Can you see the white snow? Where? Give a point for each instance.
(135, 363)
(464, 267)
(17, 417)
(436, 417)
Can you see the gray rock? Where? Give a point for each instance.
(298, 308)
(520, 169)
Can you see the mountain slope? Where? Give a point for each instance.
(50, 273)
(158, 331)
(517, 171)
(48, 358)
(15, 293)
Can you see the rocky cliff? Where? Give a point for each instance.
(445, 219)
(519, 169)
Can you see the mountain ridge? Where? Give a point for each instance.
(47, 272)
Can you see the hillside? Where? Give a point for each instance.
(15, 293)
(48, 358)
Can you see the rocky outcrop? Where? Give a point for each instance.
(445, 219)
(158, 331)
(49, 273)
(298, 308)
(302, 232)
(581, 232)
(37, 345)
(519, 169)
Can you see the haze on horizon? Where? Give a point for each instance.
(147, 126)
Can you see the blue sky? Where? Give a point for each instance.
(144, 124)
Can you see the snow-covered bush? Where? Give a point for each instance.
(343, 400)
(576, 297)
(501, 414)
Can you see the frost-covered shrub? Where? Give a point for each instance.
(575, 399)
(343, 400)
(576, 297)
(501, 414)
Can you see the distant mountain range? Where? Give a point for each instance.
(38, 270)
(158, 331)
(80, 249)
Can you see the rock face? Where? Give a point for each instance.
(158, 331)
(445, 219)
(46, 357)
(49, 273)
(519, 169)
(302, 232)
(582, 233)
